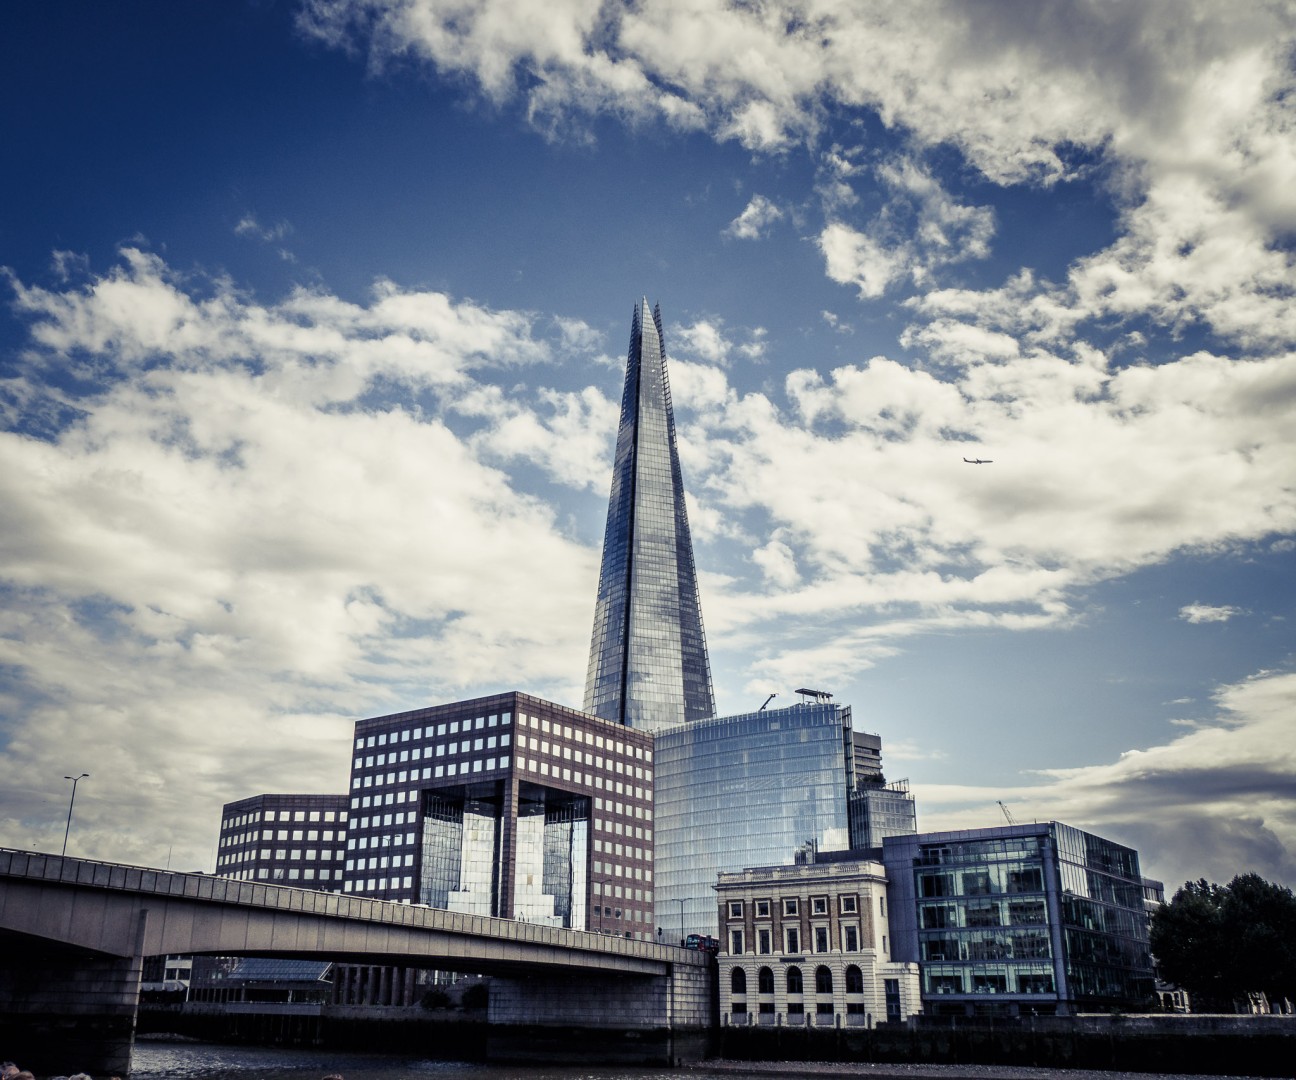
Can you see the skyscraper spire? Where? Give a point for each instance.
(648, 665)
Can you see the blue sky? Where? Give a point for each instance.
(313, 329)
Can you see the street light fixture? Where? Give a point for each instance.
(71, 802)
(679, 901)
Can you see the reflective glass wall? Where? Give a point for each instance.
(745, 791)
(648, 664)
(1037, 918)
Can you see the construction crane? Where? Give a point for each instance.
(1006, 813)
(767, 701)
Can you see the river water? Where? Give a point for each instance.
(155, 1060)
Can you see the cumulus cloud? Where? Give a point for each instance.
(756, 217)
(1207, 613)
(238, 538)
(1214, 802)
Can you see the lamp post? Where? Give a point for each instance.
(681, 913)
(603, 887)
(71, 802)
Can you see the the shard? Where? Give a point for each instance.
(648, 665)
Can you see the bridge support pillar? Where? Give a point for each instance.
(64, 1011)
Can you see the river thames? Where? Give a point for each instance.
(156, 1060)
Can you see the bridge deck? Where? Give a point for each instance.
(22, 870)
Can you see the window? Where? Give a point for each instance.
(824, 1008)
(735, 909)
(854, 980)
(795, 1008)
(738, 981)
(823, 980)
(821, 939)
(764, 944)
(735, 942)
(790, 906)
(791, 939)
(850, 938)
(762, 909)
(765, 981)
(819, 905)
(794, 980)
(846, 905)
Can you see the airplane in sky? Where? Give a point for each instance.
(979, 461)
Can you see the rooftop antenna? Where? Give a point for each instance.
(767, 701)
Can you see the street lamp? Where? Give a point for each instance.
(71, 802)
(681, 904)
(602, 904)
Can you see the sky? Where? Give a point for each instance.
(313, 320)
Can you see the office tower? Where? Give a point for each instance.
(743, 791)
(507, 806)
(293, 840)
(1018, 920)
(648, 665)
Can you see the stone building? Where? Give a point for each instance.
(809, 944)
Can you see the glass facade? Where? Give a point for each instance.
(742, 791)
(879, 810)
(1027, 918)
(648, 664)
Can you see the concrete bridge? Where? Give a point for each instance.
(74, 932)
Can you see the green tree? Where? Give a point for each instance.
(1222, 942)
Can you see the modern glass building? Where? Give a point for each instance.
(508, 806)
(648, 666)
(759, 789)
(1033, 919)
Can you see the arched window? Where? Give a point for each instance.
(854, 980)
(738, 981)
(823, 980)
(794, 980)
(765, 981)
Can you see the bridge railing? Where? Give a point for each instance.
(41, 866)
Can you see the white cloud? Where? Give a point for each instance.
(852, 258)
(1207, 613)
(243, 540)
(248, 225)
(1213, 802)
(757, 216)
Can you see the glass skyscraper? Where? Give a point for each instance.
(759, 789)
(648, 665)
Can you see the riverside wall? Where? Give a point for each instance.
(1190, 1044)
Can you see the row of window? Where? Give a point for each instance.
(374, 884)
(617, 870)
(454, 746)
(580, 757)
(290, 873)
(794, 981)
(404, 776)
(565, 731)
(365, 742)
(847, 905)
(255, 816)
(298, 835)
(763, 939)
(280, 854)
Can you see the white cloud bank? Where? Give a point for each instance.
(1212, 803)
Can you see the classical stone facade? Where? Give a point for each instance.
(809, 945)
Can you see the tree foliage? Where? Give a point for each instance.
(1222, 942)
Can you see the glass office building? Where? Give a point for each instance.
(648, 666)
(759, 789)
(1032, 919)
